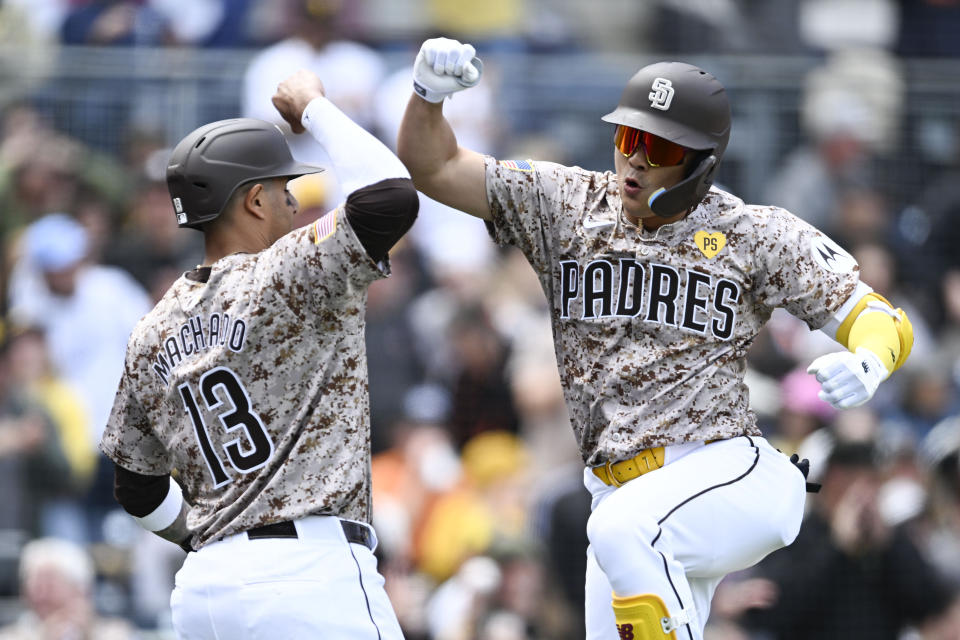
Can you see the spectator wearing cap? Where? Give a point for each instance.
(86, 311)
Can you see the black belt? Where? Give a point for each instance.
(354, 532)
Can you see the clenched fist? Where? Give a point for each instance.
(443, 67)
(848, 379)
(294, 94)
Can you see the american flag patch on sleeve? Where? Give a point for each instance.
(324, 227)
(517, 165)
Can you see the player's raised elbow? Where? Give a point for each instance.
(406, 201)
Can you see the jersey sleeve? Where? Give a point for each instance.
(802, 270)
(129, 439)
(524, 196)
(323, 264)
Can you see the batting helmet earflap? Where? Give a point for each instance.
(688, 106)
(208, 165)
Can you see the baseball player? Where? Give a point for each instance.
(249, 378)
(657, 284)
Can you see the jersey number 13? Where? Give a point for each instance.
(223, 393)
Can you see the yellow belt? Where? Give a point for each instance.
(617, 473)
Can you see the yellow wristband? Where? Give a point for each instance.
(876, 331)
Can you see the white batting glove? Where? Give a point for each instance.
(443, 67)
(848, 379)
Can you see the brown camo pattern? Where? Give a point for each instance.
(303, 365)
(629, 383)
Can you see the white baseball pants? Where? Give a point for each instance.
(677, 531)
(317, 585)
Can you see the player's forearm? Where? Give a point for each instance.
(426, 142)
(177, 532)
(155, 502)
(358, 158)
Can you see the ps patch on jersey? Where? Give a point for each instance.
(710, 244)
(517, 165)
(829, 255)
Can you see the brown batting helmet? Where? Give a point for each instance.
(688, 106)
(208, 165)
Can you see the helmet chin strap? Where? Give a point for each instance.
(686, 194)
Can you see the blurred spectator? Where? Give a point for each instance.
(520, 608)
(940, 450)
(86, 312)
(45, 16)
(929, 225)
(928, 28)
(314, 40)
(950, 334)
(560, 523)
(207, 23)
(26, 53)
(56, 588)
(482, 400)
(151, 247)
(496, 27)
(538, 399)
(850, 110)
(37, 169)
(33, 465)
(834, 25)
(861, 216)
(927, 396)
(725, 26)
(801, 411)
(850, 574)
(115, 23)
(880, 268)
(32, 375)
(456, 607)
(408, 478)
(43, 171)
(488, 508)
(393, 361)
(421, 465)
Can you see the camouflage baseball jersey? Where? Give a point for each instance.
(651, 328)
(253, 385)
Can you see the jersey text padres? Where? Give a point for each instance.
(652, 328)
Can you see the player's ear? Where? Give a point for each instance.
(255, 202)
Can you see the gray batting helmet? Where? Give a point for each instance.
(208, 165)
(688, 106)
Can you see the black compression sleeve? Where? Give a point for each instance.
(139, 494)
(381, 213)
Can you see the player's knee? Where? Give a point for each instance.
(609, 529)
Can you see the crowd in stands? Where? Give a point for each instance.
(478, 497)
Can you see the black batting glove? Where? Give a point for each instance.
(804, 466)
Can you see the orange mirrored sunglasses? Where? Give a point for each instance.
(659, 152)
